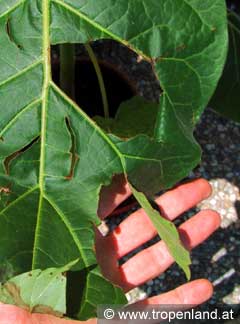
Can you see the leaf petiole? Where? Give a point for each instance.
(100, 79)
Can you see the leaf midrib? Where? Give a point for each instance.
(46, 83)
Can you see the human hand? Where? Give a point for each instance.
(133, 232)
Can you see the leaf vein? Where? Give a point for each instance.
(68, 226)
(17, 75)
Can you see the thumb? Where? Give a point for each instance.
(10, 314)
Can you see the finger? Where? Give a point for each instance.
(10, 314)
(182, 298)
(180, 199)
(193, 293)
(156, 259)
(49, 319)
(138, 229)
(113, 195)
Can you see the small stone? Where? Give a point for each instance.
(233, 197)
(217, 256)
(223, 212)
(142, 295)
(233, 298)
(221, 194)
(213, 201)
(220, 128)
(225, 276)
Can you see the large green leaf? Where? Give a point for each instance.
(226, 98)
(54, 158)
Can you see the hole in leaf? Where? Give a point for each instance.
(10, 36)
(74, 156)
(119, 87)
(14, 155)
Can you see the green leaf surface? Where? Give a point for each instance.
(54, 158)
(135, 116)
(98, 291)
(167, 232)
(226, 98)
(38, 291)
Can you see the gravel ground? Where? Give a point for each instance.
(217, 259)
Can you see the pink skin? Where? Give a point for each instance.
(133, 232)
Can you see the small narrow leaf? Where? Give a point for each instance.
(167, 232)
(38, 291)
